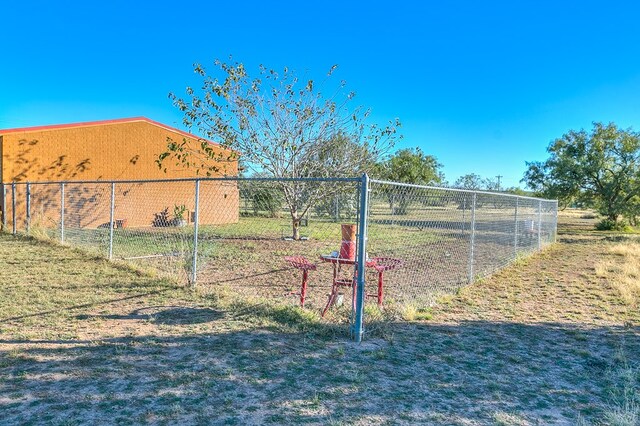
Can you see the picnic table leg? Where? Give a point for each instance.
(303, 290)
(354, 289)
(334, 291)
(380, 289)
(331, 300)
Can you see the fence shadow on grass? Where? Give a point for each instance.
(472, 372)
(242, 279)
(87, 305)
(166, 315)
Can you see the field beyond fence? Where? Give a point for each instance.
(233, 234)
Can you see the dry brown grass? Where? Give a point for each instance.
(84, 342)
(578, 213)
(630, 249)
(621, 268)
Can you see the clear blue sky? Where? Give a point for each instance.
(483, 86)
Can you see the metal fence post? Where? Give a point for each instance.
(4, 207)
(555, 222)
(195, 234)
(515, 238)
(539, 224)
(393, 208)
(62, 213)
(358, 325)
(112, 218)
(473, 237)
(464, 215)
(28, 225)
(13, 207)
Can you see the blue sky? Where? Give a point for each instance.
(483, 86)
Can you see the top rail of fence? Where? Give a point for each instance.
(445, 188)
(191, 179)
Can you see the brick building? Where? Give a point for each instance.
(122, 150)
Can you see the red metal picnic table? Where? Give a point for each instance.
(380, 264)
(303, 264)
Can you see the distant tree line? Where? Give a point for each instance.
(598, 169)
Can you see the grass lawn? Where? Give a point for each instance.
(250, 253)
(553, 339)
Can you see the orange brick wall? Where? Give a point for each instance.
(118, 151)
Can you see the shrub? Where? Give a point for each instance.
(612, 225)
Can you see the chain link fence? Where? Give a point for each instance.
(223, 234)
(261, 237)
(448, 238)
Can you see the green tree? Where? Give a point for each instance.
(491, 184)
(632, 210)
(408, 166)
(515, 190)
(600, 168)
(411, 166)
(265, 198)
(470, 181)
(474, 182)
(281, 126)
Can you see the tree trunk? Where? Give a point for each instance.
(295, 224)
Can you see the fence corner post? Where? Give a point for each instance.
(473, 236)
(358, 326)
(196, 213)
(112, 218)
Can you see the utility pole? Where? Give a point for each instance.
(499, 177)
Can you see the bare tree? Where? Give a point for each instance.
(280, 126)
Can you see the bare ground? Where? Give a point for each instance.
(82, 341)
